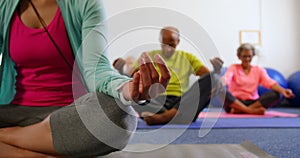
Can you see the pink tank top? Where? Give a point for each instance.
(44, 78)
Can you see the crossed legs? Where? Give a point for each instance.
(18, 135)
(186, 110)
(14, 152)
(64, 132)
(259, 106)
(30, 141)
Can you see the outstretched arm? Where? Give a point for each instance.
(288, 93)
(217, 65)
(202, 71)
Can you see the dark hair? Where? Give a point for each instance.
(245, 46)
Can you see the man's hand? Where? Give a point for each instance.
(217, 64)
(147, 83)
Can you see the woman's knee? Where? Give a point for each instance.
(270, 99)
(271, 96)
(275, 95)
(96, 124)
(122, 120)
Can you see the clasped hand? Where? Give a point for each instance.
(217, 64)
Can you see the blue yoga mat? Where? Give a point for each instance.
(231, 123)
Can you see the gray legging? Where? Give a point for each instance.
(268, 100)
(190, 104)
(95, 124)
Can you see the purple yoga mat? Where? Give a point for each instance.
(230, 123)
(268, 114)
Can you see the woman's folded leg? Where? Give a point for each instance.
(93, 125)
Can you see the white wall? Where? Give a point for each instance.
(281, 35)
(277, 19)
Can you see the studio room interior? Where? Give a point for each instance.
(141, 79)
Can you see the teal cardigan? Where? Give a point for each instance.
(84, 20)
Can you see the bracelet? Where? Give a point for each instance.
(143, 102)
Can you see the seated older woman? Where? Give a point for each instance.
(243, 80)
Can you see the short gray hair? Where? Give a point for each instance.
(246, 46)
